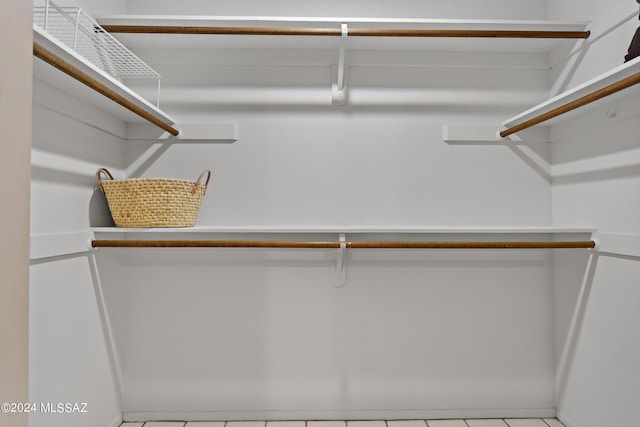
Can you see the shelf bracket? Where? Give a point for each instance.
(339, 275)
(338, 93)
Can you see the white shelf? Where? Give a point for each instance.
(331, 229)
(619, 73)
(49, 74)
(362, 22)
(291, 42)
(74, 243)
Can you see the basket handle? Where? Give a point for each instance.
(195, 186)
(99, 176)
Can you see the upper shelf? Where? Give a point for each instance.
(464, 38)
(351, 229)
(616, 80)
(61, 56)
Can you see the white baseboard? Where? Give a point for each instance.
(116, 421)
(568, 422)
(409, 414)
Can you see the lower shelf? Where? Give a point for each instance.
(576, 244)
(334, 237)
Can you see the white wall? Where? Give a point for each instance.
(262, 334)
(92, 7)
(596, 164)
(252, 334)
(218, 335)
(70, 355)
(358, 168)
(606, 47)
(490, 9)
(15, 94)
(378, 160)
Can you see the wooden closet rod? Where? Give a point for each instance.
(589, 244)
(580, 102)
(62, 65)
(337, 32)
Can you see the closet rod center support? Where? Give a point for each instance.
(338, 93)
(339, 275)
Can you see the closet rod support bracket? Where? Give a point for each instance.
(338, 92)
(339, 275)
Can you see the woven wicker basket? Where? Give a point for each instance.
(153, 202)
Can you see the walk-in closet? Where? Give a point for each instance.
(407, 214)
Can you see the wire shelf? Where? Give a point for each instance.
(78, 31)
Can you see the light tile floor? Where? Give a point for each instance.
(285, 424)
(447, 423)
(407, 423)
(508, 422)
(487, 423)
